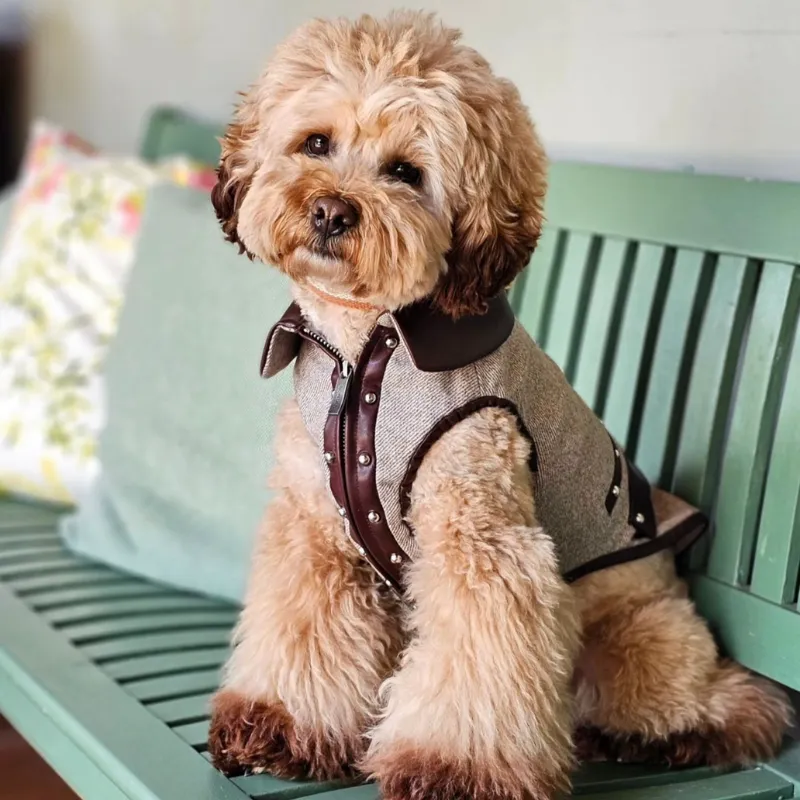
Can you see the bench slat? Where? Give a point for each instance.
(704, 212)
(630, 347)
(140, 667)
(171, 687)
(536, 287)
(182, 710)
(574, 282)
(194, 733)
(124, 588)
(752, 422)
(53, 565)
(110, 608)
(775, 571)
(265, 787)
(673, 342)
(699, 454)
(604, 314)
(155, 643)
(16, 516)
(12, 539)
(78, 576)
(29, 554)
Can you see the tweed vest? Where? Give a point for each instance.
(420, 374)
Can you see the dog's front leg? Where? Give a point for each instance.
(480, 707)
(315, 639)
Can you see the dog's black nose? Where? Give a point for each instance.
(332, 216)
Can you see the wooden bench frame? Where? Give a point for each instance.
(671, 301)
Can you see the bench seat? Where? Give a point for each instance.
(108, 677)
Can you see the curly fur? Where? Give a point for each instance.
(404, 88)
(486, 675)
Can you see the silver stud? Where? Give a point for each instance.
(374, 517)
(391, 343)
(342, 511)
(329, 457)
(616, 452)
(388, 583)
(395, 558)
(364, 459)
(639, 518)
(361, 550)
(370, 398)
(615, 491)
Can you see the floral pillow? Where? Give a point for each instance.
(63, 268)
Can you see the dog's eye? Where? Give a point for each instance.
(318, 144)
(405, 172)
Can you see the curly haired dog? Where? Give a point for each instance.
(460, 568)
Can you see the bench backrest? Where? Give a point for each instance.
(671, 302)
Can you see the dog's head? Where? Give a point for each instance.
(383, 159)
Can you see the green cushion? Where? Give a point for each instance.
(186, 448)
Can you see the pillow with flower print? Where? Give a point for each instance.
(63, 266)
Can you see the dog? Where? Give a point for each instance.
(462, 584)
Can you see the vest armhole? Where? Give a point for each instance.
(447, 423)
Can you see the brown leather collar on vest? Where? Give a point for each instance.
(439, 343)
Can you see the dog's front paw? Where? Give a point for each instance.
(253, 736)
(414, 774)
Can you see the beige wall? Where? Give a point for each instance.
(709, 84)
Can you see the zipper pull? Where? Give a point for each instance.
(339, 397)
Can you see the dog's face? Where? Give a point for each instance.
(384, 160)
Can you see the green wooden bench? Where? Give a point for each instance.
(671, 301)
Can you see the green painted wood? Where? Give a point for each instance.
(535, 290)
(180, 662)
(367, 792)
(699, 456)
(575, 282)
(760, 635)
(112, 731)
(663, 404)
(90, 574)
(32, 554)
(194, 733)
(12, 539)
(59, 750)
(787, 764)
(17, 516)
(54, 565)
(752, 424)
(777, 561)
(182, 710)
(155, 643)
(592, 778)
(171, 687)
(724, 215)
(110, 608)
(756, 784)
(262, 787)
(122, 589)
(171, 131)
(85, 633)
(591, 370)
(641, 296)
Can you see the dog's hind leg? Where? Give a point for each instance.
(480, 706)
(651, 686)
(314, 642)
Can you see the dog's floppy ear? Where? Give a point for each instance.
(236, 168)
(498, 222)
